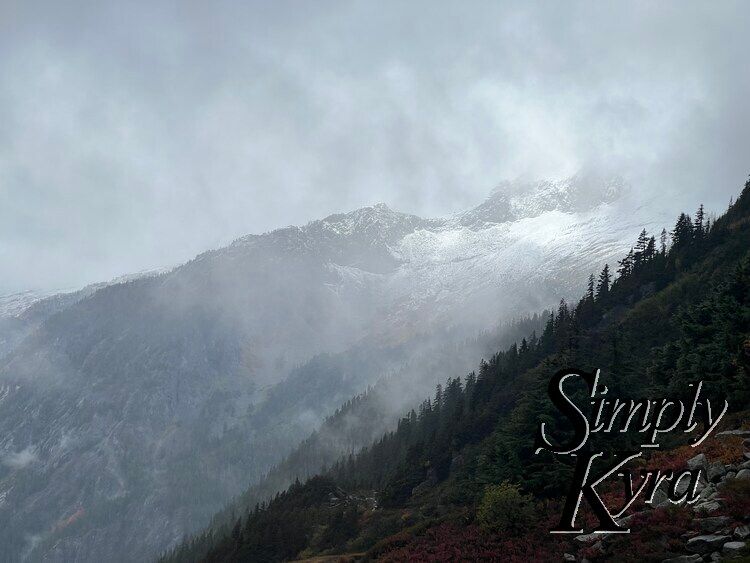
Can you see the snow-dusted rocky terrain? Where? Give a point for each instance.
(22, 312)
(14, 304)
(524, 248)
(20, 303)
(131, 412)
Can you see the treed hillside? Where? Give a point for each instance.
(675, 309)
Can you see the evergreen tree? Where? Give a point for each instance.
(625, 265)
(682, 235)
(605, 279)
(640, 245)
(438, 402)
(533, 343)
(563, 318)
(698, 223)
(650, 251)
(663, 241)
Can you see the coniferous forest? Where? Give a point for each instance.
(458, 478)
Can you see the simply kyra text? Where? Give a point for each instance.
(649, 419)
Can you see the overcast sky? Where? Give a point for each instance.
(135, 135)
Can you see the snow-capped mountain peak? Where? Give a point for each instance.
(378, 223)
(523, 199)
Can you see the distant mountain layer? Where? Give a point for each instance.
(128, 415)
(22, 312)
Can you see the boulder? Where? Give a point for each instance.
(568, 557)
(742, 532)
(697, 462)
(713, 523)
(715, 472)
(659, 497)
(706, 543)
(708, 491)
(708, 506)
(625, 520)
(585, 539)
(743, 474)
(682, 486)
(733, 548)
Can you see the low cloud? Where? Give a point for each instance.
(19, 460)
(138, 134)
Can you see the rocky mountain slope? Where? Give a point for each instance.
(462, 476)
(117, 405)
(22, 312)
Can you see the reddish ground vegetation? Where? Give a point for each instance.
(449, 542)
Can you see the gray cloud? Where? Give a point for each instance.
(19, 460)
(135, 135)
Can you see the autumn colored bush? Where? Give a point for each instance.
(398, 540)
(450, 542)
(726, 449)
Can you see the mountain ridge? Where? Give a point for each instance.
(180, 361)
(460, 476)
